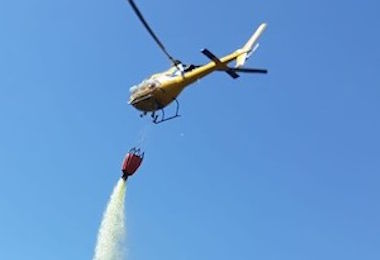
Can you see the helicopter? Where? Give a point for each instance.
(155, 93)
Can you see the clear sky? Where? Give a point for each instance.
(283, 166)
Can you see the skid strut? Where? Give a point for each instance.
(163, 118)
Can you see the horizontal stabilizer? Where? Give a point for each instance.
(211, 56)
(247, 70)
(250, 70)
(219, 63)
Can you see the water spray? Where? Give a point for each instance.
(109, 245)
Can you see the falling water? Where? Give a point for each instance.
(109, 245)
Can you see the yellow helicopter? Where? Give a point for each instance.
(155, 93)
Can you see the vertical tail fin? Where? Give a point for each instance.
(250, 46)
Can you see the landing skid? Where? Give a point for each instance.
(159, 116)
(157, 119)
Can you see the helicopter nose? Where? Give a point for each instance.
(131, 100)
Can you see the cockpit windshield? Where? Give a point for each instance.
(133, 89)
(146, 84)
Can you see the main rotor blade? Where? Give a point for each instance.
(250, 70)
(141, 17)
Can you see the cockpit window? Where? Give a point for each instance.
(133, 89)
(146, 84)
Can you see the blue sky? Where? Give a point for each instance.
(282, 166)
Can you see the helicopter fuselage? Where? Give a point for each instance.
(161, 89)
